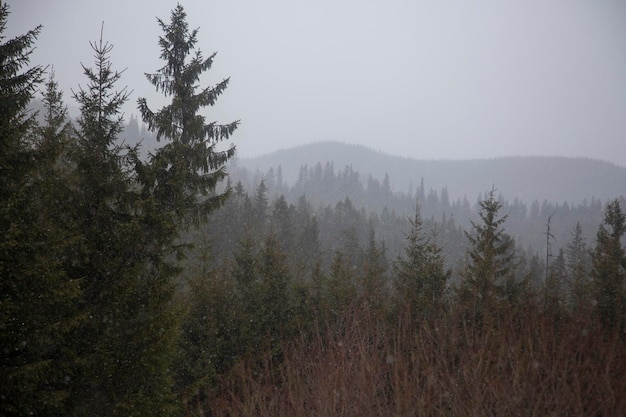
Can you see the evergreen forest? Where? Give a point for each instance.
(172, 282)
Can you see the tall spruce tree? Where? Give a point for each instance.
(488, 275)
(37, 298)
(178, 182)
(183, 174)
(420, 276)
(127, 345)
(17, 89)
(609, 268)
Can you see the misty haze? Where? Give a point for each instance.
(291, 208)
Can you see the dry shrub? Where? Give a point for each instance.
(515, 366)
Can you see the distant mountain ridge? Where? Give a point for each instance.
(528, 178)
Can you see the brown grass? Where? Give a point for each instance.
(528, 366)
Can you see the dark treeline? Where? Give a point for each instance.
(145, 283)
(323, 186)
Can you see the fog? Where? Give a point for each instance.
(425, 79)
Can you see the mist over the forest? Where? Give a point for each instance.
(174, 279)
(555, 179)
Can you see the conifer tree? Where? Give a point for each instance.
(490, 268)
(282, 223)
(55, 134)
(338, 290)
(275, 286)
(554, 297)
(178, 182)
(609, 268)
(578, 263)
(183, 174)
(209, 342)
(248, 289)
(420, 276)
(373, 280)
(308, 248)
(16, 92)
(127, 346)
(37, 297)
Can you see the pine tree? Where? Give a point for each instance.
(609, 268)
(183, 174)
(420, 276)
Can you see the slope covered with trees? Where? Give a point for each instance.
(148, 284)
(555, 179)
(90, 320)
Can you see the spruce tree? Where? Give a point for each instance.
(339, 290)
(373, 280)
(248, 287)
(578, 263)
(420, 276)
(127, 346)
(554, 296)
(209, 343)
(56, 134)
(18, 85)
(183, 174)
(609, 268)
(275, 286)
(178, 183)
(37, 298)
(489, 273)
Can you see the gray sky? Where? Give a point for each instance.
(426, 79)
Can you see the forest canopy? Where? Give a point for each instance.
(136, 283)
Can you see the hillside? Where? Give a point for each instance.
(555, 179)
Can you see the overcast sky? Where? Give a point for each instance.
(426, 79)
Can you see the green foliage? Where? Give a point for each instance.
(339, 290)
(37, 297)
(190, 165)
(488, 277)
(420, 276)
(578, 263)
(209, 339)
(373, 281)
(97, 319)
(126, 346)
(554, 291)
(17, 86)
(276, 304)
(609, 268)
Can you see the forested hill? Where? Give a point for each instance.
(555, 179)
